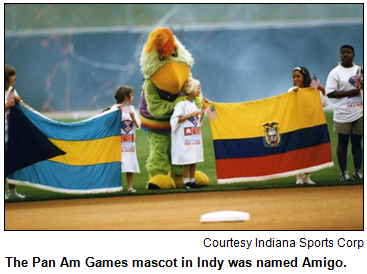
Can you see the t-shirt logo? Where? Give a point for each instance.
(188, 131)
(126, 126)
(194, 120)
(355, 81)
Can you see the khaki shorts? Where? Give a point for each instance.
(355, 127)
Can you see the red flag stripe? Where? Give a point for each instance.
(275, 164)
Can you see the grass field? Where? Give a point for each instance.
(325, 177)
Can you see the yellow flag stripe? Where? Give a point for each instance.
(245, 120)
(91, 152)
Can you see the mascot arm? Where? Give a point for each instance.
(199, 101)
(158, 108)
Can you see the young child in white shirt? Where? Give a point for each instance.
(130, 122)
(187, 143)
(11, 96)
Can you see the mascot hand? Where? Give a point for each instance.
(199, 102)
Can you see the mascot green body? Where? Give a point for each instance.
(166, 66)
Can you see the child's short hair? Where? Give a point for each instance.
(347, 46)
(121, 92)
(190, 86)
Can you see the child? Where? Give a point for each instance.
(130, 121)
(11, 96)
(302, 79)
(187, 144)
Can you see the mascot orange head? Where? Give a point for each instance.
(161, 40)
(165, 61)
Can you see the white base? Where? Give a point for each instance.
(225, 216)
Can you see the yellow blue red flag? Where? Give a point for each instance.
(270, 138)
(89, 157)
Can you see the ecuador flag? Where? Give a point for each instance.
(88, 153)
(270, 138)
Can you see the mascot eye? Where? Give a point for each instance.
(174, 54)
(161, 58)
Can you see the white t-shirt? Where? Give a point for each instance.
(324, 99)
(187, 143)
(346, 109)
(129, 160)
(7, 114)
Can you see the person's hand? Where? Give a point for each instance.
(322, 89)
(206, 100)
(195, 114)
(295, 89)
(17, 98)
(11, 102)
(132, 115)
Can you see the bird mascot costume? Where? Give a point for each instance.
(166, 66)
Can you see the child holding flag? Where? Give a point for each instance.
(130, 122)
(187, 143)
(11, 96)
(302, 79)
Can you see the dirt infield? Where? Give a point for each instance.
(308, 208)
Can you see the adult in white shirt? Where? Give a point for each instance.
(345, 89)
(11, 96)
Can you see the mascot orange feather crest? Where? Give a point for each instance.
(162, 40)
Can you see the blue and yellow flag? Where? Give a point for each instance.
(91, 162)
(270, 138)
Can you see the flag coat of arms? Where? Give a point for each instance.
(270, 138)
(82, 157)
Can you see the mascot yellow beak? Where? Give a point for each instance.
(171, 77)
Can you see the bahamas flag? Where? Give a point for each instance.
(87, 153)
(270, 138)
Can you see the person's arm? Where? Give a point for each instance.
(132, 115)
(322, 89)
(342, 94)
(9, 104)
(332, 86)
(187, 116)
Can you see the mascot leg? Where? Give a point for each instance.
(158, 163)
(176, 174)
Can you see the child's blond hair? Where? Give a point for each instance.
(190, 86)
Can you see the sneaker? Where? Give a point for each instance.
(131, 190)
(299, 182)
(193, 185)
(357, 175)
(345, 176)
(187, 185)
(309, 182)
(14, 195)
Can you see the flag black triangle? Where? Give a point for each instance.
(27, 144)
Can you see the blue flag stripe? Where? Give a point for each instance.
(254, 147)
(58, 175)
(98, 127)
